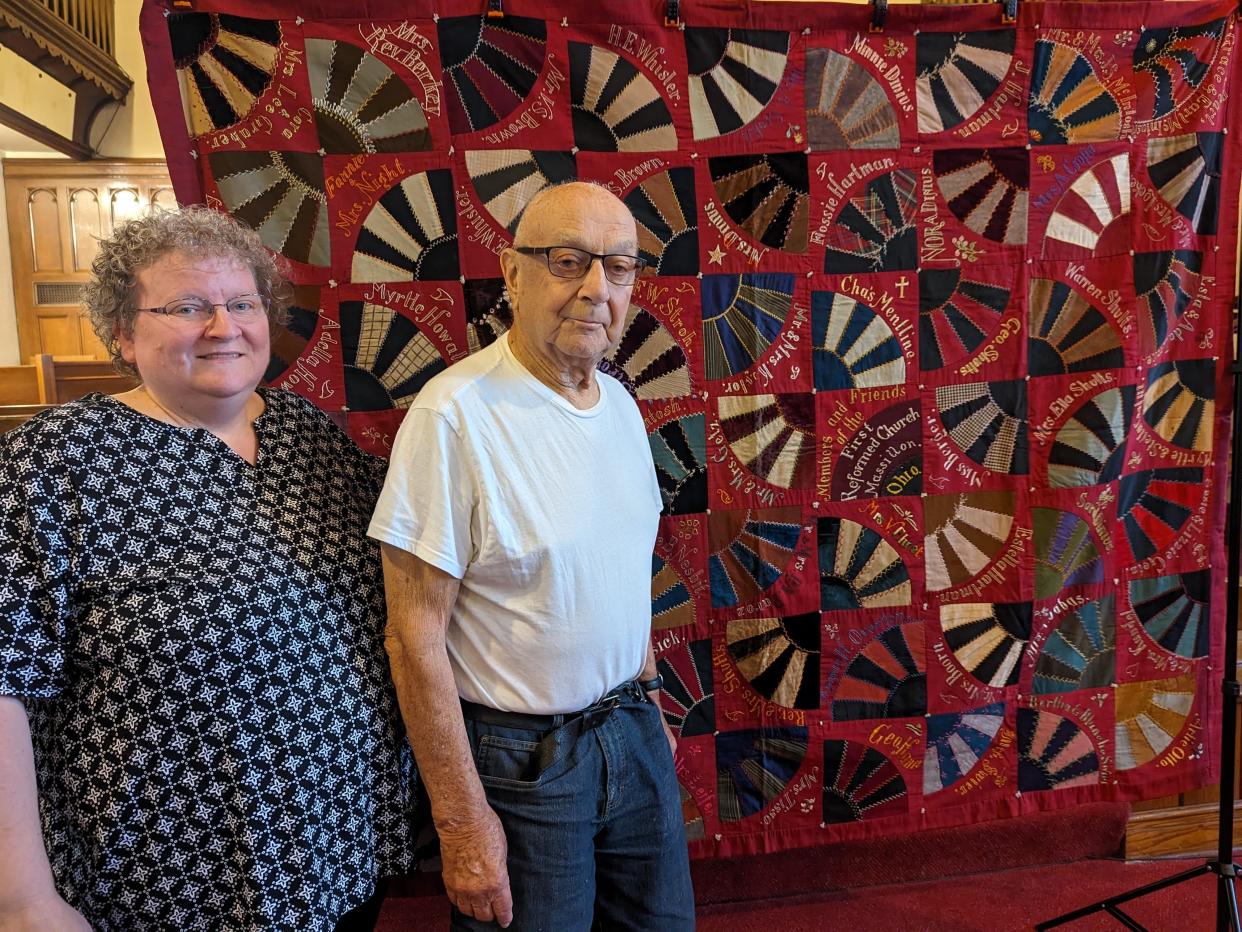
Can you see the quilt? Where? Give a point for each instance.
(934, 350)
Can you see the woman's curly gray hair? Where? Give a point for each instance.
(109, 297)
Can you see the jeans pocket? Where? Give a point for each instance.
(508, 762)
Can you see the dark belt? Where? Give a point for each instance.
(589, 717)
(561, 730)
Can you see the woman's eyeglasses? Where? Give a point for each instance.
(243, 308)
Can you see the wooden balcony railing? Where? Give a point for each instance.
(90, 18)
(72, 41)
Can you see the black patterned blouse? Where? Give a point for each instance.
(199, 644)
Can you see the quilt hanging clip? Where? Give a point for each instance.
(495, 9)
(1009, 12)
(672, 13)
(879, 13)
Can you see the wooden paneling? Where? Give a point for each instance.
(90, 343)
(19, 385)
(1184, 831)
(57, 213)
(164, 197)
(61, 330)
(124, 203)
(86, 226)
(42, 220)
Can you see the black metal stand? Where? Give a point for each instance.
(1223, 867)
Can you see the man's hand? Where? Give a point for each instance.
(476, 877)
(46, 914)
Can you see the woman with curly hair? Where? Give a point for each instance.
(197, 725)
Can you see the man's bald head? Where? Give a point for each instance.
(563, 326)
(568, 196)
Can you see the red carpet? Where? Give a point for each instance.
(1002, 901)
(995, 876)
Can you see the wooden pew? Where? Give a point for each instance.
(15, 415)
(64, 378)
(19, 385)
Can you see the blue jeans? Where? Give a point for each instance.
(595, 833)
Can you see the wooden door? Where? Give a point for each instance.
(57, 212)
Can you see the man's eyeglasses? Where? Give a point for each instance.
(569, 262)
(243, 308)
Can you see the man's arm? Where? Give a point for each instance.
(28, 898)
(472, 842)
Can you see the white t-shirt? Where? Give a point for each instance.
(546, 513)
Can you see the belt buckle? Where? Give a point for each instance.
(598, 713)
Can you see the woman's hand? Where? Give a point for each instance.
(28, 898)
(48, 913)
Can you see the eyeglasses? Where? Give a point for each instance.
(243, 308)
(568, 262)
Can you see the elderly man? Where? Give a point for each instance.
(517, 521)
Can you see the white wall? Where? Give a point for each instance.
(133, 133)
